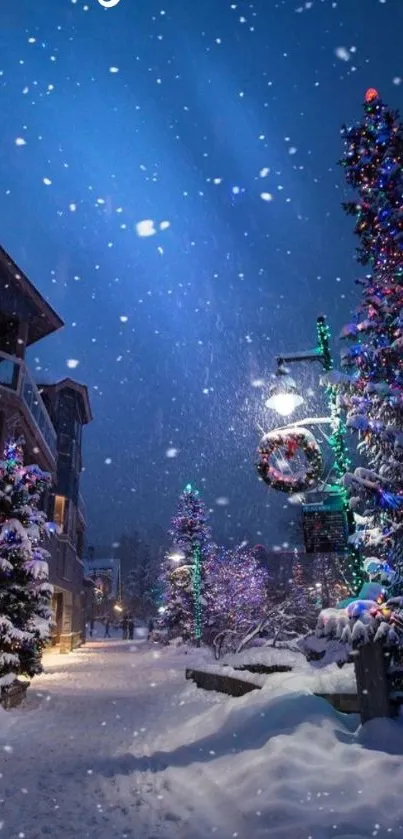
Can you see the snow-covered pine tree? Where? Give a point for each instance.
(236, 591)
(183, 568)
(25, 592)
(140, 586)
(371, 388)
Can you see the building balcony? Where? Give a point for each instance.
(17, 384)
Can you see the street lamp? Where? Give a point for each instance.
(283, 394)
(176, 556)
(284, 398)
(178, 559)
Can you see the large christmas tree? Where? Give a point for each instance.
(183, 570)
(372, 387)
(25, 593)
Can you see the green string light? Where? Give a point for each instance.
(196, 580)
(342, 462)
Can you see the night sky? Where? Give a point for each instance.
(219, 122)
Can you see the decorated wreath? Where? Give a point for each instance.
(278, 453)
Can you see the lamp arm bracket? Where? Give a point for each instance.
(306, 355)
(302, 423)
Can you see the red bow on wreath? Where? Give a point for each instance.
(291, 448)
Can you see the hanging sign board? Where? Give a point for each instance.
(325, 527)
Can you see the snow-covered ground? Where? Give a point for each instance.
(113, 743)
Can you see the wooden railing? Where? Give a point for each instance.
(15, 376)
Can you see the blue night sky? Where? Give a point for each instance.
(184, 113)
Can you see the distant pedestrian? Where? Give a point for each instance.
(91, 627)
(124, 628)
(150, 629)
(130, 625)
(107, 625)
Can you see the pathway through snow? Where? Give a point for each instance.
(75, 760)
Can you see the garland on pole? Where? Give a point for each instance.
(287, 444)
(342, 461)
(196, 580)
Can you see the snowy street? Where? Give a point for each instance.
(113, 743)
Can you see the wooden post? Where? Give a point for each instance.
(372, 686)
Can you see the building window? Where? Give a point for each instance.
(58, 511)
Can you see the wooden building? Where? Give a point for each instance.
(50, 418)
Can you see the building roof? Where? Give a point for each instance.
(41, 318)
(82, 390)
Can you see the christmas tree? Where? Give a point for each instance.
(25, 593)
(183, 570)
(371, 389)
(236, 590)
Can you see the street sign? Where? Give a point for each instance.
(325, 527)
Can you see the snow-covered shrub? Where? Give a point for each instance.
(25, 592)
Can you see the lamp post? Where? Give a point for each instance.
(196, 579)
(284, 399)
(178, 560)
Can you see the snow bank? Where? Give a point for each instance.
(291, 767)
(269, 656)
(330, 679)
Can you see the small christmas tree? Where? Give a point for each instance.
(371, 389)
(235, 590)
(183, 569)
(25, 593)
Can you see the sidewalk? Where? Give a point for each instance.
(59, 750)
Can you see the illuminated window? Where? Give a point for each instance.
(58, 513)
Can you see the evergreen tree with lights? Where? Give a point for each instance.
(236, 591)
(25, 592)
(183, 569)
(371, 389)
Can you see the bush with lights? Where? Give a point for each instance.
(373, 617)
(235, 591)
(25, 592)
